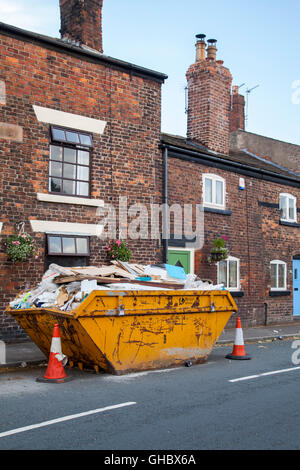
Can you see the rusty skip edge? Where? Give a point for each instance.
(174, 306)
(117, 312)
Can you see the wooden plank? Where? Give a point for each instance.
(112, 280)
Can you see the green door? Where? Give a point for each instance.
(180, 258)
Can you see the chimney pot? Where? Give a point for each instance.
(212, 49)
(200, 47)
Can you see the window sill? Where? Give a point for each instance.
(217, 211)
(279, 293)
(236, 293)
(59, 199)
(289, 224)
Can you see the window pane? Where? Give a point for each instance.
(69, 187)
(82, 245)
(219, 192)
(273, 275)
(223, 273)
(83, 157)
(281, 276)
(55, 185)
(58, 134)
(55, 169)
(233, 274)
(83, 173)
(54, 244)
(55, 153)
(72, 137)
(208, 190)
(85, 139)
(283, 207)
(292, 209)
(68, 245)
(70, 155)
(69, 171)
(82, 189)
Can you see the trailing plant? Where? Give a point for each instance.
(20, 247)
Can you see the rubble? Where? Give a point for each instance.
(65, 288)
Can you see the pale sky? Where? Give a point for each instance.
(258, 40)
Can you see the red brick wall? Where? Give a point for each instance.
(126, 160)
(254, 236)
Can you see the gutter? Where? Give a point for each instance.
(199, 157)
(88, 54)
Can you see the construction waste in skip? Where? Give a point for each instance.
(125, 317)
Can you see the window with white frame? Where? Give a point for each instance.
(288, 207)
(229, 273)
(70, 161)
(213, 191)
(278, 275)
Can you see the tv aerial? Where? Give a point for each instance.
(248, 91)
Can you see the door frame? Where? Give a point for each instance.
(192, 256)
(296, 259)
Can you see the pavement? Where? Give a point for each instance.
(26, 353)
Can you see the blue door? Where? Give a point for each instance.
(296, 286)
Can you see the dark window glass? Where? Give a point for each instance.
(72, 137)
(68, 245)
(69, 169)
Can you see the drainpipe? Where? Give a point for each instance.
(266, 313)
(165, 203)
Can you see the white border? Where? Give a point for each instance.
(1, 225)
(276, 262)
(69, 200)
(294, 199)
(214, 179)
(46, 226)
(238, 280)
(73, 121)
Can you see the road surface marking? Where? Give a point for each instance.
(249, 377)
(65, 418)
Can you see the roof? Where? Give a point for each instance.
(85, 52)
(239, 161)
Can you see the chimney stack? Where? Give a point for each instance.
(209, 98)
(237, 114)
(81, 22)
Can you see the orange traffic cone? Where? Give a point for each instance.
(57, 360)
(238, 348)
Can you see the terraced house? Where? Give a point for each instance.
(79, 129)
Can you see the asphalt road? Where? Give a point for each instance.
(222, 404)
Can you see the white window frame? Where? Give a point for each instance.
(294, 199)
(277, 262)
(214, 178)
(231, 289)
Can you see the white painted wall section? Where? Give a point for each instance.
(46, 226)
(73, 121)
(70, 200)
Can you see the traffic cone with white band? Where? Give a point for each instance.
(57, 360)
(239, 347)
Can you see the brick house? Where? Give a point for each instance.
(79, 129)
(249, 186)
